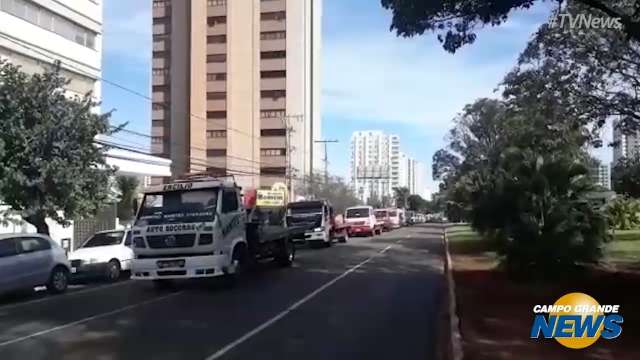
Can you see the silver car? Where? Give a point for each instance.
(30, 260)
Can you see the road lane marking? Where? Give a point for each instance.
(65, 295)
(288, 310)
(87, 319)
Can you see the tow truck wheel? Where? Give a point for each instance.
(345, 237)
(238, 259)
(329, 241)
(286, 254)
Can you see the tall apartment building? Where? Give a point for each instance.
(375, 161)
(627, 145)
(236, 87)
(33, 34)
(601, 175)
(412, 175)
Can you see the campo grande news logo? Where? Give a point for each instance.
(577, 321)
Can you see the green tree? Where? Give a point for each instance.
(417, 203)
(50, 166)
(624, 213)
(456, 21)
(625, 177)
(400, 195)
(336, 191)
(128, 191)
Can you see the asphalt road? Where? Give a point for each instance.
(372, 298)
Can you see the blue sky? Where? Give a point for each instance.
(371, 79)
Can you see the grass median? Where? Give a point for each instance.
(496, 312)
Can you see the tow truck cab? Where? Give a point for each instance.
(189, 229)
(315, 218)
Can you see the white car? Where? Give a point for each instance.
(105, 254)
(30, 260)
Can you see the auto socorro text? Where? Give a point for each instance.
(577, 321)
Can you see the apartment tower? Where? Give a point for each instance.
(235, 87)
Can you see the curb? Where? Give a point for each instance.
(455, 339)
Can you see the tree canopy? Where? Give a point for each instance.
(456, 22)
(625, 177)
(336, 191)
(50, 166)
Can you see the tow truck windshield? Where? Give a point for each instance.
(308, 214)
(178, 206)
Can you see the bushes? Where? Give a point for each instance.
(624, 213)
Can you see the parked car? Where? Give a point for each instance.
(395, 218)
(382, 216)
(30, 260)
(105, 254)
(362, 221)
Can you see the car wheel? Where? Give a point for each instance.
(287, 253)
(58, 280)
(113, 271)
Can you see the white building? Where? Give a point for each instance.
(601, 175)
(34, 33)
(626, 145)
(374, 163)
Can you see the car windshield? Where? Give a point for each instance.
(393, 213)
(357, 213)
(305, 210)
(104, 239)
(178, 206)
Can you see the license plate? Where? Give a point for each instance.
(170, 264)
(357, 230)
(74, 270)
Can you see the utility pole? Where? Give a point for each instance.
(326, 158)
(290, 148)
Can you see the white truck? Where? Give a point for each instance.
(199, 228)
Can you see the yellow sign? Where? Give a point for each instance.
(270, 198)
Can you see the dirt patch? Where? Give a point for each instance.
(496, 313)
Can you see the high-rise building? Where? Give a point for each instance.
(236, 87)
(34, 34)
(601, 175)
(626, 145)
(375, 161)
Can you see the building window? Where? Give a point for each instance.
(160, 71)
(216, 152)
(273, 74)
(273, 94)
(219, 95)
(160, 54)
(216, 2)
(273, 54)
(216, 77)
(159, 88)
(216, 114)
(155, 140)
(273, 152)
(217, 58)
(157, 123)
(216, 20)
(216, 134)
(276, 15)
(50, 21)
(272, 114)
(216, 39)
(273, 132)
(273, 35)
(159, 106)
(281, 171)
(217, 171)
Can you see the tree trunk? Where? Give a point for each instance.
(39, 222)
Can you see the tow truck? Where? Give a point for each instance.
(198, 227)
(316, 223)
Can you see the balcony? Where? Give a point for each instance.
(273, 161)
(217, 67)
(157, 131)
(273, 45)
(216, 105)
(160, 79)
(217, 143)
(161, 96)
(217, 48)
(216, 86)
(218, 29)
(273, 84)
(161, 44)
(273, 5)
(161, 11)
(217, 161)
(273, 25)
(162, 28)
(159, 114)
(271, 123)
(217, 124)
(273, 104)
(273, 142)
(217, 8)
(269, 180)
(160, 62)
(273, 64)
